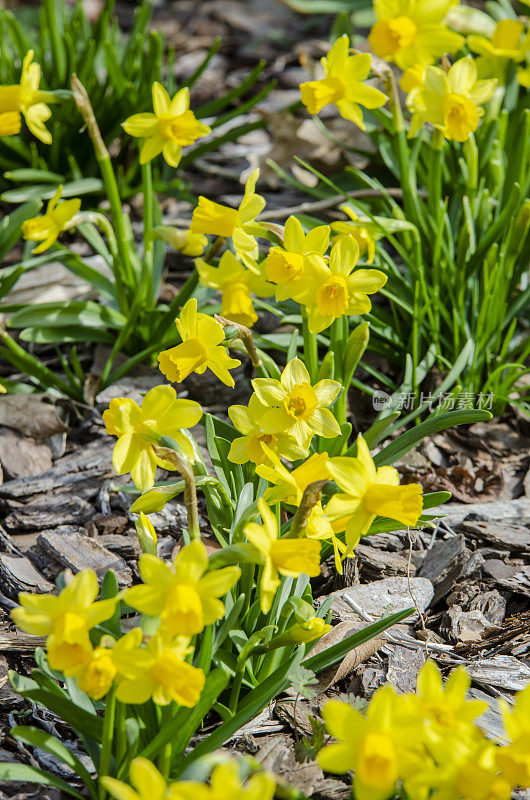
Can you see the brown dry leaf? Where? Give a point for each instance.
(351, 661)
(30, 415)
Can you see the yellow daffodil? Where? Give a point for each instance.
(319, 527)
(507, 43)
(450, 101)
(514, 760)
(237, 285)
(412, 78)
(158, 671)
(368, 745)
(200, 349)
(288, 557)
(184, 595)
(3, 389)
(446, 706)
(288, 486)
(250, 446)
(364, 231)
(171, 127)
(147, 781)
(368, 492)
(460, 767)
(139, 427)
(339, 288)
(295, 406)
(411, 32)
(26, 99)
(99, 673)
(47, 227)
(239, 224)
(343, 84)
(224, 782)
(66, 620)
(186, 242)
(286, 266)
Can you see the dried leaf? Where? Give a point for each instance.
(30, 415)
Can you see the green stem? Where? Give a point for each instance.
(148, 206)
(435, 195)
(121, 742)
(57, 45)
(109, 179)
(106, 744)
(310, 348)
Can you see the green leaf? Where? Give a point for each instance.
(11, 224)
(43, 191)
(85, 313)
(405, 442)
(22, 772)
(80, 720)
(251, 706)
(45, 741)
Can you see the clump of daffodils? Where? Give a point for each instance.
(182, 599)
(427, 744)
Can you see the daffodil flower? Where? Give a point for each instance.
(288, 557)
(343, 84)
(183, 594)
(368, 492)
(158, 671)
(224, 782)
(147, 781)
(514, 760)
(239, 224)
(339, 288)
(463, 767)
(186, 242)
(450, 101)
(411, 32)
(507, 44)
(171, 127)
(66, 620)
(289, 487)
(446, 706)
(366, 744)
(286, 266)
(26, 99)
(46, 228)
(200, 349)
(251, 446)
(295, 406)
(97, 676)
(319, 527)
(139, 427)
(364, 231)
(237, 285)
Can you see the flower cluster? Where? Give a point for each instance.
(428, 743)
(182, 598)
(225, 781)
(415, 34)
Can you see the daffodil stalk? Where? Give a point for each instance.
(171, 454)
(310, 498)
(108, 736)
(109, 179)
(246, 337)
(310, 347)
(436, 173)
(148, 210)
